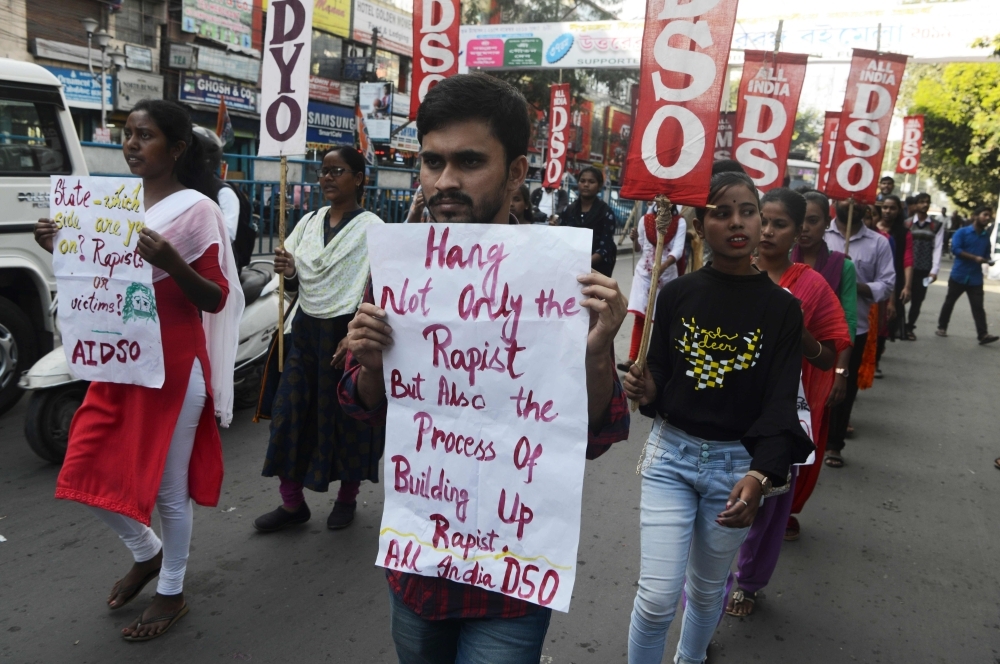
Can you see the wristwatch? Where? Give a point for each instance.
(765, 482)
(841, 371)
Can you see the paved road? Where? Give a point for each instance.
(897, 561)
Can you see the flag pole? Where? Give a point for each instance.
(664, 216)
(281, 276)
(847, 236)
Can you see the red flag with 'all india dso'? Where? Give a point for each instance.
(872, 87)
(555, 160)
(913, 140)
(685, 50)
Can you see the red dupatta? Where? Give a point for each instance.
(823, 316)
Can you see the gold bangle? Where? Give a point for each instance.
(818, 353)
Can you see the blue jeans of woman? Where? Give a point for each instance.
(685, 484)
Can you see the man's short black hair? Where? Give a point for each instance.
(922, 197)
(982, 208)
(887, 178)
(478, 97)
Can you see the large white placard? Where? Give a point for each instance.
(107, 314)
(375, 101)
(486, 431)
(284, 80)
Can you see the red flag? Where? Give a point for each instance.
(830, 125)
(724, 136)
(224, 125)
(872, 87)
(913, 139)
(555, 165)
(765, 118)
(365, 145)
(435, 46)
(682, 72)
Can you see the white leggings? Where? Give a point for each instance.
(173, 502)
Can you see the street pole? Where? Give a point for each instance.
(104, 110)
(281, 275)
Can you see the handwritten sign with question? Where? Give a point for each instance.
(486, 431)
(107, 315)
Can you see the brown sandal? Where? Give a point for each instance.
(833, 460)
(172, 617)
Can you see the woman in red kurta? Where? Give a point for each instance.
(133, 447)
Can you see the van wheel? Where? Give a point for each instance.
(18, 351)
(46, 424)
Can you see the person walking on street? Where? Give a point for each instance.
(840, 275)
(971, 247)
(473, 131)
(893, 223)
(876, 282)
(313, 442)
(928, 242)
(589, 211)
(824, 336)
(644, 243)
(133, 447)
(722, 381)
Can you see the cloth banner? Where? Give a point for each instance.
(766, 105)
(435, 46)
(685, 51)
(724, 136)
(284, 78)
(913, 140)
(555, 165)
(107, 306)
(831, 122)
(872, 87)
(486, 430)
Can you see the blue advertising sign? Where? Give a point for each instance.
(327, 124)
(200, 88)
(81, 89)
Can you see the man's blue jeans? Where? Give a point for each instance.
(685, 485)
(471, 641)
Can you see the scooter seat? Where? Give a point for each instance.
(252, 281)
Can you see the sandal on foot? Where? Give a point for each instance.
(988, 339)
(941, 333)
(996, 462)
(792, 530)
(131, 592)
(910, 336)
(739, 597)
(833, 460)
(172, 617)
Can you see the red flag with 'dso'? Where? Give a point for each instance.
(913, 140)
(555, 163)
(830, 125)
(685, 50)
(872, 87)
(765, 117)
(435, 46)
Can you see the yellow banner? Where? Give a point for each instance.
(332, 16)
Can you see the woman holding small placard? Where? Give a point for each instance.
(133, 447)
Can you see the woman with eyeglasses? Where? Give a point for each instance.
(313, 442)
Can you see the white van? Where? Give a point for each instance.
(37, 139)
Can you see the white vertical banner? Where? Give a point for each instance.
(285, 78)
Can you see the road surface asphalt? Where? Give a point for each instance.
(898, 560)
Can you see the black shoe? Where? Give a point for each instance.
(341, 516)
(878, 373)
(988, 339)
(280, 518)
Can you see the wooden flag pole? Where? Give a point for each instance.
(281, 277)
(663, 219)
(847, 237)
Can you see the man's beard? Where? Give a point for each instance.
(483, 212)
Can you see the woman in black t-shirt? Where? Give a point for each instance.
(589, 211)
(722, 381)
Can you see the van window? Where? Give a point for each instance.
(31, 140)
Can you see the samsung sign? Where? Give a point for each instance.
(327, 124)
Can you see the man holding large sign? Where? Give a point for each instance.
(482, 520)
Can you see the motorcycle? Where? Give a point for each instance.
(55, 394)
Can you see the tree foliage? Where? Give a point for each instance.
(960, 103)
(807, 135)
